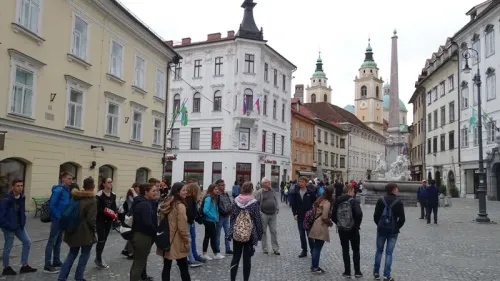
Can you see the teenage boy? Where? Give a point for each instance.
(12, 223)
(303, 198)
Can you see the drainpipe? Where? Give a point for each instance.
(459, 91)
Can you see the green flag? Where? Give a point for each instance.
(184, 116)
(472, 119)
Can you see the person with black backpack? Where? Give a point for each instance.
(347, 215)
(389, 216)
(225, 206)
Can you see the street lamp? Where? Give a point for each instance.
(482, 216)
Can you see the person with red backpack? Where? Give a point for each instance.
(389, 216)
(245, 230)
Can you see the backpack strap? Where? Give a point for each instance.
(385, 202)
(395, 201)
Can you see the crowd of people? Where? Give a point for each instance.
(166, 216)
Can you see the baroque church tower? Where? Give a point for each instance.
(368, 93)
(319, 91)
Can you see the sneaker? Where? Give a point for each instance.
(125, 253)
(388, 278)
(358, 275)
(27, 269)
(229, 253)
(345, 275)
(101, 265)
(303, 255)
(8, 271)
(147, 278)
(50, 269)
(201, 259)
(277, 253)
(218, 256)
(194, 264)
(319, 270)
(376, 276)
(57, 264)
(206, 257)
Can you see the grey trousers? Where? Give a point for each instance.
(269, 220)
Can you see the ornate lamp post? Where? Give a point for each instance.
(482, 216)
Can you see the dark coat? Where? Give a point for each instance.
(145, 217)
(356, 210)
(191, 209)
(398, 211)
(103, 201)
(339, 189)
(9, 217)
(253, 207)
(84, 234)
(301, 206)
(431, 194)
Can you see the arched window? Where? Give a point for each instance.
(217, 101)
(105, 172)
(363, 92)
(10, 169)
(376, 91)
(141, 175)
(177, 102)
(196, 102)
(264, 109)
(274, 109)
(325, 98)
(249, 99)
(70, 168)
(313, 98)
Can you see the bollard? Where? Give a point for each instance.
(447, 201)
(362, 199)
(441, 200)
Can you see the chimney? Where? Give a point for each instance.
(230, 34)
(186, 41)
(214, 36)
(170, 43)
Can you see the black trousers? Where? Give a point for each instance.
(183, 268)
(102, 228)
(352, 237)
(142, 247)
(423, 208)
(432, 207)
(210, 236)
(246, 249)
(304, 235)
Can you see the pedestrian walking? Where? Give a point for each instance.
(269, 209)
(192, 198)
(13, 224)
(173, 209)
(224, 205)
(235, 190)
(133, 192)
(245, 230)
(59, 199)
(106, 213)
(83, 237)
(389, 216)
(319, 230)
(144, 226)
(422, 200)
(302, 201)
(432, 197)
(210, 220)
(347, 215)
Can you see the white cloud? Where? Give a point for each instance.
(297, 29)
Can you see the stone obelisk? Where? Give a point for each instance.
(395, 141)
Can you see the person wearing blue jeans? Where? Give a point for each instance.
(225, 207)
(316, 253)
(12, 223)
(70, 259)
(389, 216)
(58, 200)
(194, 257)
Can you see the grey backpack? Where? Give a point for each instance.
(345, 218)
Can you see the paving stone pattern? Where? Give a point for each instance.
(455, 249)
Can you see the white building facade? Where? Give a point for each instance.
(331, 151)
(236, 91)
(479, 34)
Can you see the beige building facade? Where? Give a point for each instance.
(417, 135)
(331, 151)
(84, 92)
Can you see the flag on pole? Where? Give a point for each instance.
(244, 106)
(486, 118)
(257, 103)
(473, 119)
(184, 115)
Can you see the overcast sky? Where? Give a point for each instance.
(298, 29)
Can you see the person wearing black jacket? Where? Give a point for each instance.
(431, 194)
(303, 198)
(339, 189)
(421, 200)
(352, 235)
(144, 227)
(106, 201)
(397, 208)
(192, 198)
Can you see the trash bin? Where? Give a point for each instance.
(447, 201)
(441, 200)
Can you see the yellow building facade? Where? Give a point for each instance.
(83, 90)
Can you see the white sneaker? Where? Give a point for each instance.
(218, 256)
(207, 257)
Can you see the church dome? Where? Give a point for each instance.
(386, 86)
(387, 103)
(369, 61)
(319, 69)
(350, 108)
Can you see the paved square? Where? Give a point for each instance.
(455, 249)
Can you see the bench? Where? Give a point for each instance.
(38, 203)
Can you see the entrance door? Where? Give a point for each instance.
(243, 172)
(438, 178)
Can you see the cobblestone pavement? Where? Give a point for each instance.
(455, 249)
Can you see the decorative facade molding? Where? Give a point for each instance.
(114, 97)
(249, 84)
(77, 81)
(20, 56)
(138, 106)
(214, 86)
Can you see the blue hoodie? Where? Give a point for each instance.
(58, 200)
(210, 210)
(9, 219)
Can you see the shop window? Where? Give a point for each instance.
(216, 171)
(275, 177)
(69, 168)
(262, 171)
(11, 169)
(194, 170)
(243, 172)
(141, 175)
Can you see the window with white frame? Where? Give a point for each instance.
(435, 93)
(80, 38)
(491, 131)
(160, 84)
(489, 40)
(29, 15)
(75, 109)
(175, 138)
(137, 125)
(22, 99)
(249, 63)
(429, 100)
(116, 67)
(217, 101)
(476, 45)
(157, 129)
(196, 102)
(451, 111)
(112, 119)
(491, 84)
(140, 72)
(464, 103)
(177, 102)
(451, 83)
(441, 89)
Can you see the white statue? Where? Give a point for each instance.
(398, 171)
